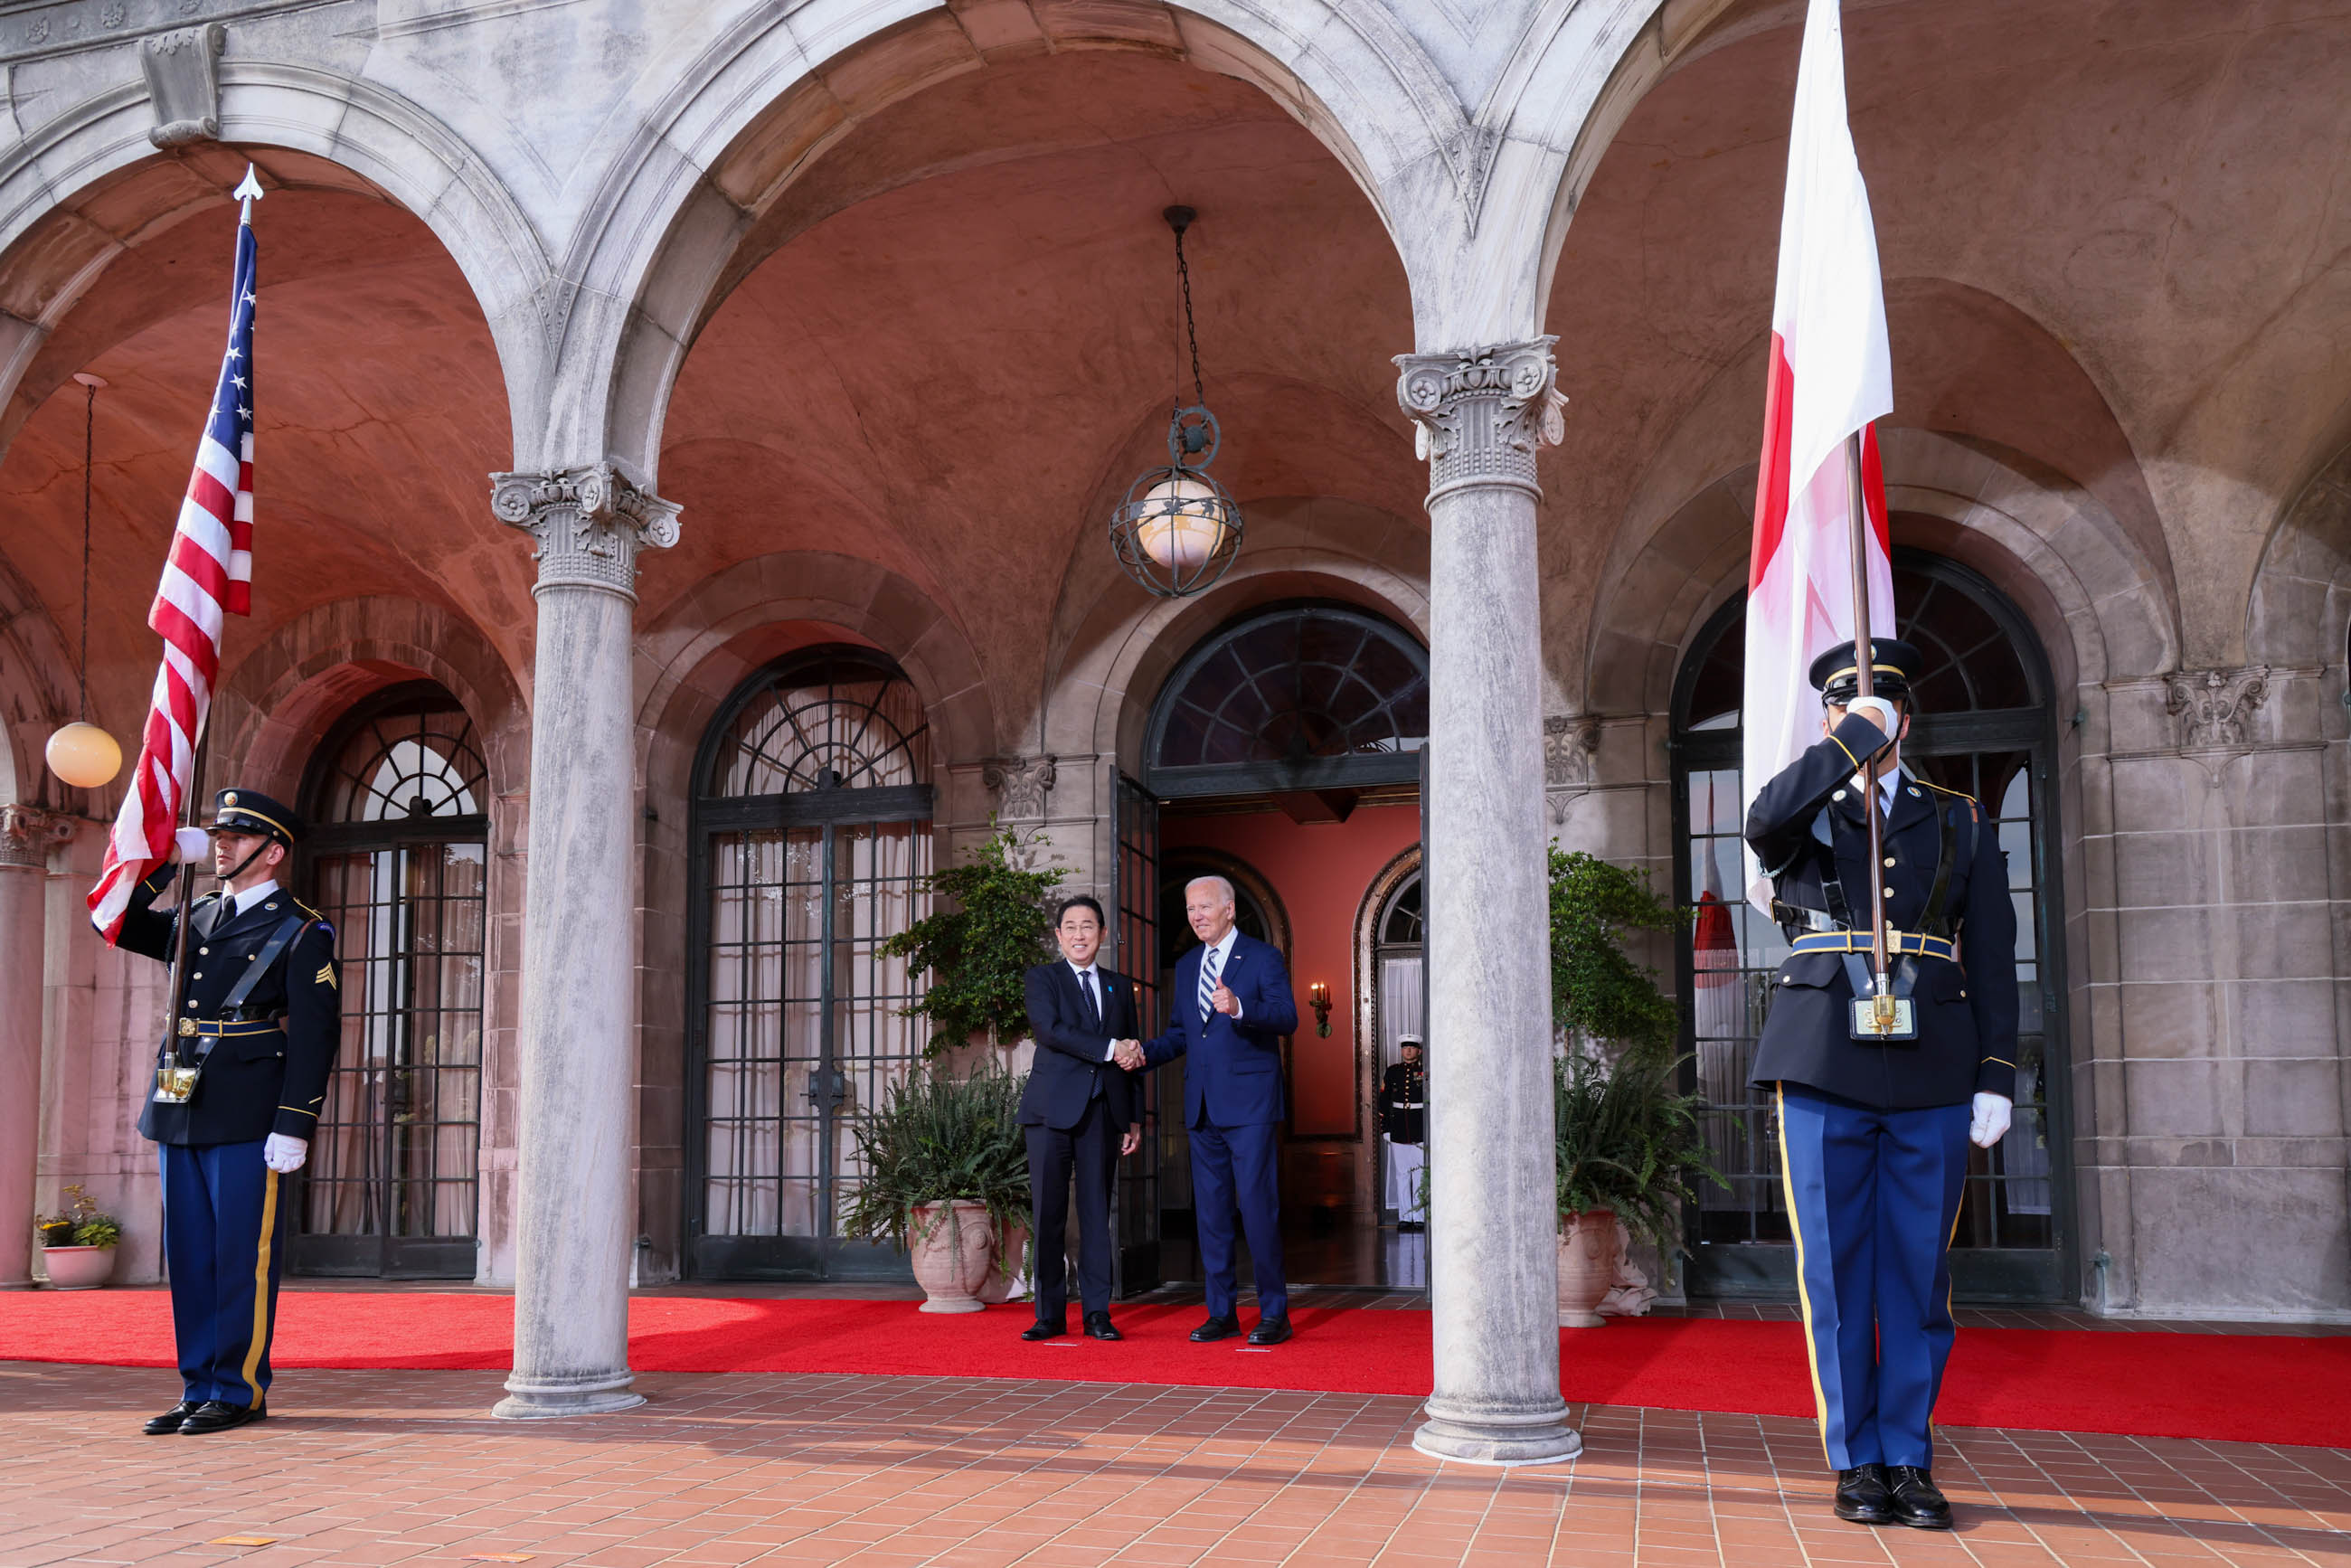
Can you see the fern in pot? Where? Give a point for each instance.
(1630, 1143)
(947, 1173)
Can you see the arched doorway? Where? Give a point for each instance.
(397, 860)
(1983, 727)
(1283, 753)
(811, 835)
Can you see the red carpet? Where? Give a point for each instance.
(2270, 1388)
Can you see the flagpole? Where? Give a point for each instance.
(1865, 684)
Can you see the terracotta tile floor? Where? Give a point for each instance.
(366, 1467)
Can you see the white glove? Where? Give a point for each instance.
(1989, 1125)
(191, 846)
(1877, 711)
(284, 1156)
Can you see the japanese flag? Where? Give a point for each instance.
(1830, 374)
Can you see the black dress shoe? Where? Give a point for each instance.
(1861, 1495)
(169, 1421)
(1270, 1330)
(1099, 1326)
(1045, 1328)
(219, 1416)
(1918, 1501)
(1216, 1329)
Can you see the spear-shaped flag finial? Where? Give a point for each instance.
(247, 192)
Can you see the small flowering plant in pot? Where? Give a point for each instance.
(78, 1246)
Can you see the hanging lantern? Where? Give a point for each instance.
(82, 754)
(1177, 530)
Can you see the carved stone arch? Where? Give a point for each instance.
(280, 701)
(53, 249)
(2299, 612)
(2049, 546)
(1103, 699)
(678, 219)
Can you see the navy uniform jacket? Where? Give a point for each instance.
(1232, 1068)
(1965, 1012)
(263, 1080)
(1404, 1100)
(1070, 1062)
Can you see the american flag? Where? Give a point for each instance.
(208, 574)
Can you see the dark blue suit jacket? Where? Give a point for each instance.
(1070, 1068)
(1232, 1070)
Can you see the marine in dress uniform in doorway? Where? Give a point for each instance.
(1875, 1132)
(240, 1080)
(1404, 1127)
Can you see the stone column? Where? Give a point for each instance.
(25, 837)
(575, 1210)
(1493, 1263)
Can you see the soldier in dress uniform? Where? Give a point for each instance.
(1874, 1127)
(240, 1080)
(1403, 1122)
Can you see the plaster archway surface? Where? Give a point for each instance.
(36, 695)
(2032, 163)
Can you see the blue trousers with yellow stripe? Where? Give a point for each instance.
(1873, 1197)
(223, 1241)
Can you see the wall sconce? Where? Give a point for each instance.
(1319, 998)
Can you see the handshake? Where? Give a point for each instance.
(1127, 1053)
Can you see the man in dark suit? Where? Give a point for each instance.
(240, 1080)
(1081, 1112)
(1875, 1128)
(1231, 1005)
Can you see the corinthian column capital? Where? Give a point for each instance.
(590, 524)
(1479, 414)
(28, 833)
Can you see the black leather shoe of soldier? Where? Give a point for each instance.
(1216, 1329)
(219, 1416)
(1099, 1326)
(169, 1421)
(1862, 1497)
(1918, 1501)
(1045, 1328)
(1270, 1330)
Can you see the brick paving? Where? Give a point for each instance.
(369, 1468)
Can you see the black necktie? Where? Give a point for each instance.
(1086, 987)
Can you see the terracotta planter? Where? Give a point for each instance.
(951, 1261)
(1007, 1266)
(1587, 1266)
(78, 1268)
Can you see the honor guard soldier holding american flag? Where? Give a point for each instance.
(241, 1076)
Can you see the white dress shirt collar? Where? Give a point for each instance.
(252, 896)
(1223, 947)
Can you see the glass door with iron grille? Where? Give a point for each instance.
(1983, 727)
(811, 839)
(1134, 898)
(397, 861)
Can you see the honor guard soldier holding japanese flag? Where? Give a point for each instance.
(239, 1083)
(1878, 1099)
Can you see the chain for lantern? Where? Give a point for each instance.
(80, 753)
(1178, 530)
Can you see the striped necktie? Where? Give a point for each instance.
(1212, 963)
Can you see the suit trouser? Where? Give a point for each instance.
(1091, 1147)
(1238, 1168)
(1873, 1197)
(224, 1242)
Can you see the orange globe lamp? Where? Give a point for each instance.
(84, 755)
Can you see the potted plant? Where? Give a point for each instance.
(979, 946)
(947, 1173)
(78, 1246)
(1629, 1143)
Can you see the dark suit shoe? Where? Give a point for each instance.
(219, 1416)
(1270, 1330)
(1861, 1495)
(1045, 1328)
(1916, 1500)
(1216, 1329)
(169, 1421)
(1099, 1326)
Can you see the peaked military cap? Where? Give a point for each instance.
(1893, 664)
(238, 810)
